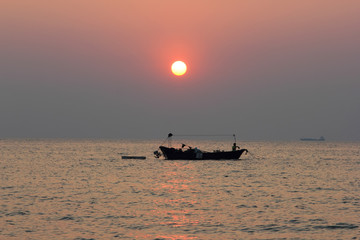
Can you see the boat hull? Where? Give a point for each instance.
(193, 154)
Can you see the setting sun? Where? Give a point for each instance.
(178, 68)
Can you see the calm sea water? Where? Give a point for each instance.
(82, 189)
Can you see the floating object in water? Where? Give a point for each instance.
(133, 157)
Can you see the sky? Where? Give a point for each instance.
(265, 70)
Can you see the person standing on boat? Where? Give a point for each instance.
(198, 153)
(234, 147)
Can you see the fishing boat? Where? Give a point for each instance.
(190, 153)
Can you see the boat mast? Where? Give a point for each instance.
(169, 140)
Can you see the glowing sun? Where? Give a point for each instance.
(178, 68)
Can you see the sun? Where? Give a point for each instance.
(178, 68)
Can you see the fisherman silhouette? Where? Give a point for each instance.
(234, 147)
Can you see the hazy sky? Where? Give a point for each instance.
(265, 70)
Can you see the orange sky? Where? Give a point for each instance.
(235, 50)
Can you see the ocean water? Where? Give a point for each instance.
(82, 189)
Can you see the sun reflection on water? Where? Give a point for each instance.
(178, 206)
(165, 237)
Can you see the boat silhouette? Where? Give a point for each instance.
(191, 153)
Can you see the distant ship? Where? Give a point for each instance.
(313, 139)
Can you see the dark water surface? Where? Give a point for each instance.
(82, 189)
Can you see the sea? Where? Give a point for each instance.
(82, 189)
